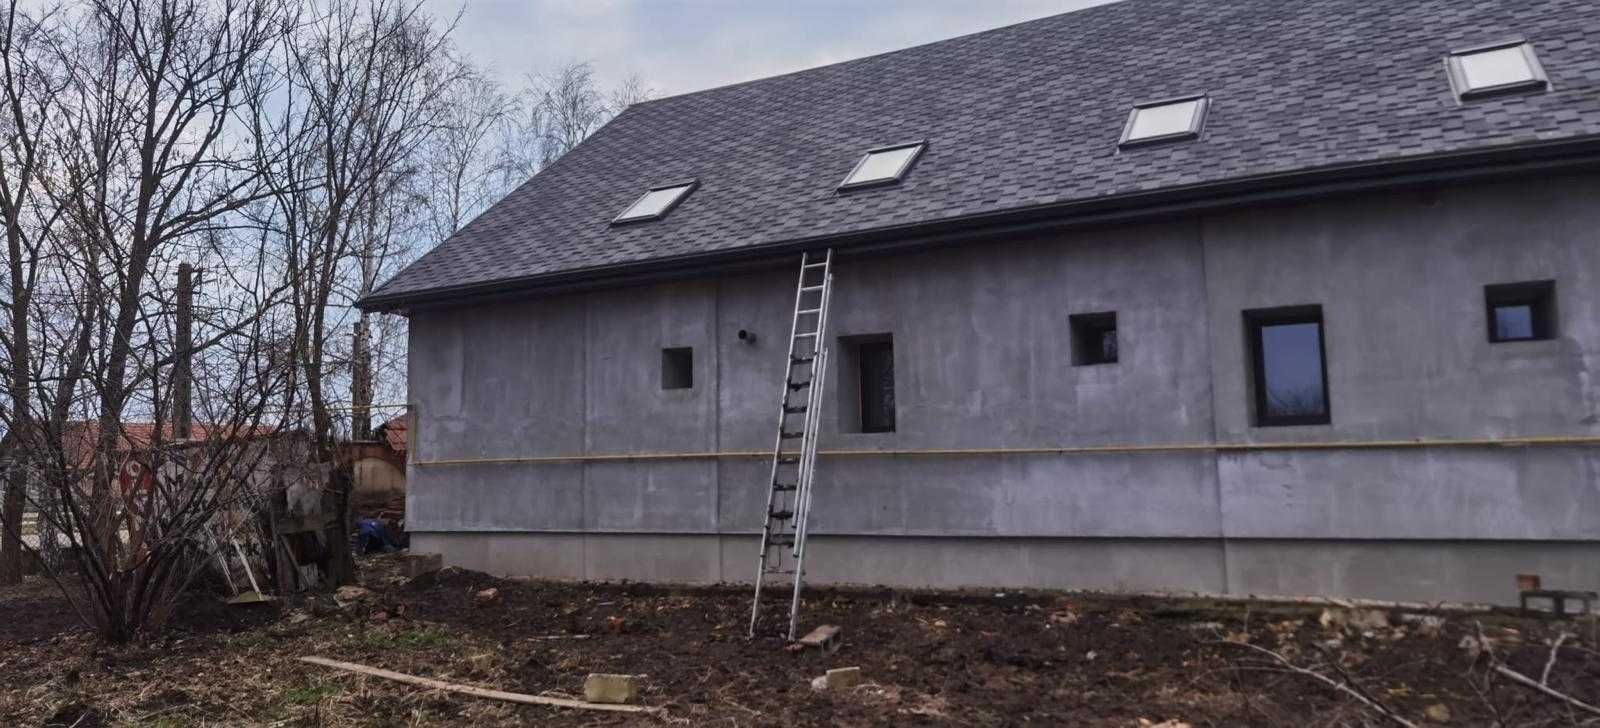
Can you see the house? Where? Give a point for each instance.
(1246, 297)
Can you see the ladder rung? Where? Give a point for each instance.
(781, 515)
(794, 410)
(808, 311)
(782, 487)
(805, 335)
(793, 435)
(780, 540)
(809, 266)
(789, 460)
(808, 289)
(797, 386)
(802, 359)
(778, 571)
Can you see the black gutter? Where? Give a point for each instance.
(1278, 187)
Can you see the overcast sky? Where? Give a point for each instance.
(677, 46)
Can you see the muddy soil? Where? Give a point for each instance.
(928, 658)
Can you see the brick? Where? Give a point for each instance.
(608, 688)
(843, 678)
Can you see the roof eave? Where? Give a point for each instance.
(1541, 156)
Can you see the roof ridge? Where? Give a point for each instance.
(897, 51)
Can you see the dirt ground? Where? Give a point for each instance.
(928, 658)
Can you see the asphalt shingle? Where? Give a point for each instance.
(1029, 115)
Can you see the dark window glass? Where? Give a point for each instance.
(1094, 338)
(1291, 382)
(677, 368)
(877, 386)
(1521, 311)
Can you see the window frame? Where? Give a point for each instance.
(689, 187)
(1082, 324)
(670, 366)
(1196, 123)
(846, 185)
(1463, 88)
(1258, 319)
(1539, 296)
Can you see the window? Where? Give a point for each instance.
(1094, 338)
(883, 166)
(1169, 120)
(866, 383)
(1289, 366)
(677, 368)
(656, 203)
(1493, 69)
(1521, 311)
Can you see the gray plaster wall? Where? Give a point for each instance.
(983, 360)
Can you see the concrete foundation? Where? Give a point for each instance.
(983, 359)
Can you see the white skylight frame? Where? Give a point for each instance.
(633, 212)
(1461, 84)
(1197, 120)
(851, 183)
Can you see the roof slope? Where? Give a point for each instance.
(1029, 115)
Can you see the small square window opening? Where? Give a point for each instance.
(1094, 338)
(1521, 311)
(677, 368)
(1289, 366)
(1500, 68)
(883, 166)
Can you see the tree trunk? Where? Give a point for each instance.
(16, 483)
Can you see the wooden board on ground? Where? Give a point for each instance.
(428, 682)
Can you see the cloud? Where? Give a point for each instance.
(686, 45)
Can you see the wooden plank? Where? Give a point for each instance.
(475, 692)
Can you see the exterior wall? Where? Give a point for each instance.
(983, 360)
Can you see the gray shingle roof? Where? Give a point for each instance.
(1028, 115)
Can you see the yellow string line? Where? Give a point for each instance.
(1085, 450)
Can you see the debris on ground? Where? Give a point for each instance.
(825, 638)
(610, 688)
(1013, 660)
(345, 596)
(487, 598)
(843, 678)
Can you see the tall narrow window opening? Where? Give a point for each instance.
(1289, 366)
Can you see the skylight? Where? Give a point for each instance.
(656, 203)
(883, 166)
(1495, 68)
(1165, 120)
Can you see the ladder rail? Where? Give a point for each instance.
(777, 447)
(808, 457)
(788, 504)
(813, 429)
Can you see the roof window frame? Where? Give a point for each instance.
(1462, 88)
(689, 185)
(846, 185)
(1197, 123)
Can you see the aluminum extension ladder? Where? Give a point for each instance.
(794, 454)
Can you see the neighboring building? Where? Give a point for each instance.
(378, 471)
(1254, 297)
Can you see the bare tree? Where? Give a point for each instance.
(366, 87)
(31, 77)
